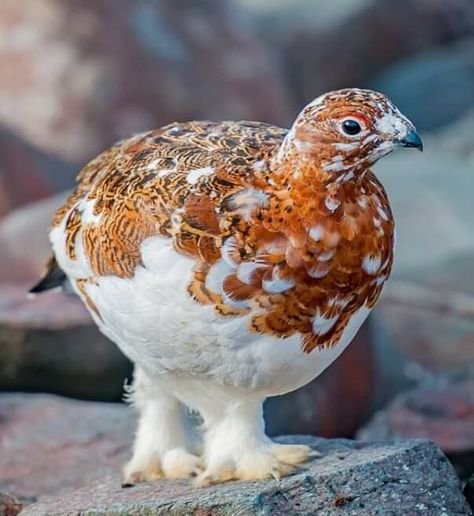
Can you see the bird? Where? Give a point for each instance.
(230, 262)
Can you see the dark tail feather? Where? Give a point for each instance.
(53, 278)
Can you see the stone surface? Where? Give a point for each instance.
(328, 45)
(446, 72)
(442, 410)
(406, 478)
(26, 173)
(51, 344)
(24, 240)
(72, 83)
(52, 446)
(424, 321)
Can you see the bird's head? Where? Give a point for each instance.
(351, 129)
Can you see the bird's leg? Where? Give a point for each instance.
(236, 447)
(162, 442)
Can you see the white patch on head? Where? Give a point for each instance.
(302, 145)
(322, 324)
(371, 264)
(331, 203)
(336, 166)
(195, 175)
(382, 213)
(316, 102)
(369, 139)
(246, 201)
(276, 285)
(346, 146)
(316, 232)
(392, 123)
(338, 301)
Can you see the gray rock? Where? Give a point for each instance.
(51, 344)
(65, 455)
(411, 477)
(440, 409)
(446, 73)
(329, 45)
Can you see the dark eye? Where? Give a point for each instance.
(351, 127)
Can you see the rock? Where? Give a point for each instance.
(72, 84)
(66, 454)
(9, 505)
(27, 227)
(26, 173)
(51, 344)
(53, 445)
(329, 45)
(468, 492)
(448, 75)
(441, 409)
(424, 321)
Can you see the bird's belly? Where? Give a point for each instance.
(156, 323)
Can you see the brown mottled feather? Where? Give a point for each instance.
(253, 207)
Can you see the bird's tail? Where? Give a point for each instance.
(53, 278)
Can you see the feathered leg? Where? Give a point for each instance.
(162, 444)
(236, 447)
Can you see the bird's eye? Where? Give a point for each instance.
(351, 127)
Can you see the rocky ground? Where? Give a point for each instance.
(70, 465)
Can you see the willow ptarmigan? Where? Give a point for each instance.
(230, 262)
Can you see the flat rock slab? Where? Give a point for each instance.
(410, 477)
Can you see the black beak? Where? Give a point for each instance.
(412, 140)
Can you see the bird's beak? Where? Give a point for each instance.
(412, 140)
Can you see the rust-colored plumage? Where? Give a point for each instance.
(295, 218)
(231, 262)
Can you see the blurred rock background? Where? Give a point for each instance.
(78, 75)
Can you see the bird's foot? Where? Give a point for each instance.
(274, 461)
(179, 463)
(139, 470)
(175, 463)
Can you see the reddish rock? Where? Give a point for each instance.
(26, 173)
(9, 505)
(441, 410)
(78, 75)
(52, 445)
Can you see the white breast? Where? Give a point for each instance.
(154, 321)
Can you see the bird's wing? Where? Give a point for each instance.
(179, 181)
